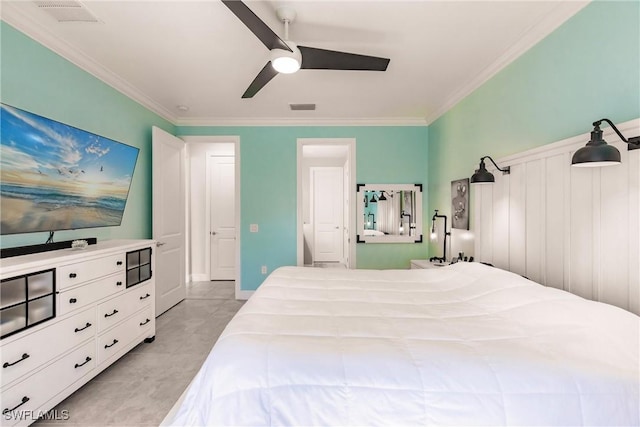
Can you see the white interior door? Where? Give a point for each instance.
(222, 233)
(327, 198)
(169, 204)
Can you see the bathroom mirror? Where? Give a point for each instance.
(389, 213)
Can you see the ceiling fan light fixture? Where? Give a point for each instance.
(286, 62)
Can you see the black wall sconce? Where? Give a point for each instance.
(483, 176)
(433, 235)
(597, 152)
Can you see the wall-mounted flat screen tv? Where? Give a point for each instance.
(57, 177)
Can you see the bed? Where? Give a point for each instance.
(465, 344)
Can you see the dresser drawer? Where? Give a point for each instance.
(75, 274)
(82, 296)
(35, 391)
(119, 308)
(29, 352)
(112, 343)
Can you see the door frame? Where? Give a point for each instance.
(213, 139)
(350, 143)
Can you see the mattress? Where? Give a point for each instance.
(465, 344)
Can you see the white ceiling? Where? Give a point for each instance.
(198, 54)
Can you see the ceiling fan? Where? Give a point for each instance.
(287, 57)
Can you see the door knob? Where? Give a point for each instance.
(213, 233)
(158, 244)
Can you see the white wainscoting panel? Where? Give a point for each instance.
(576, 229)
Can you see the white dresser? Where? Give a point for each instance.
(66, 315)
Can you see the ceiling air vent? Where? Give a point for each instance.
(67, 11)
(302, 107)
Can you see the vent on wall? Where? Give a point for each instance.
(302, 107)
(67, 11)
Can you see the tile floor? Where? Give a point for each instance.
(141, 387)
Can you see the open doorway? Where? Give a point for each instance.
(326, 199)
(214, 209)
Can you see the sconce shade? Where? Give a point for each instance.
(596, 153)
(382, 198)
(482, 175)
(373, 198)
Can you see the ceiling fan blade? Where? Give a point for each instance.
(263, 77)
(322, 59)
(255, 24)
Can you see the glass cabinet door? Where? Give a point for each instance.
(138, 266)
(26, 301)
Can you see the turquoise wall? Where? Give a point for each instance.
(384, 154)
(589, 68)
(38, 80)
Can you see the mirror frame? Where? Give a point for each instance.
(361, 238)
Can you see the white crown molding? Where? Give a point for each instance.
(531, 36)
(13, 16)
(279, 121)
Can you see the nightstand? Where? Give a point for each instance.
(425, 263)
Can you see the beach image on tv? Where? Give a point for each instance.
(57, 177)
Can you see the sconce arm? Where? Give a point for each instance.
(505, 171)
(634, 140)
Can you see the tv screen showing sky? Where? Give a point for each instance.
(57, 177)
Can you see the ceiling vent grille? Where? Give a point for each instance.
(67, 11)
(302, 107)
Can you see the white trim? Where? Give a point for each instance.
(240, 294)
(213, 139)
(24, 23)
(351, 158)
(311, 121)
(530, 37)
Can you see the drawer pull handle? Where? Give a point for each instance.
(7, 410)
(113, 313)
(73, 301)
(7, 364)
(119, 263)
(145, 322)
(83, 328)
(72, 275)
(112, 344)
(87, 360)
(118, 283)
(145, 297)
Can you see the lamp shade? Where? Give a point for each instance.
(482, 175)
(382, 198)
(596, 153)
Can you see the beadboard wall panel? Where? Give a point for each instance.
(576, 229)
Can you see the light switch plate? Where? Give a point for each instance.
(253, 228)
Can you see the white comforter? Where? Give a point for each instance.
(461, 345)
